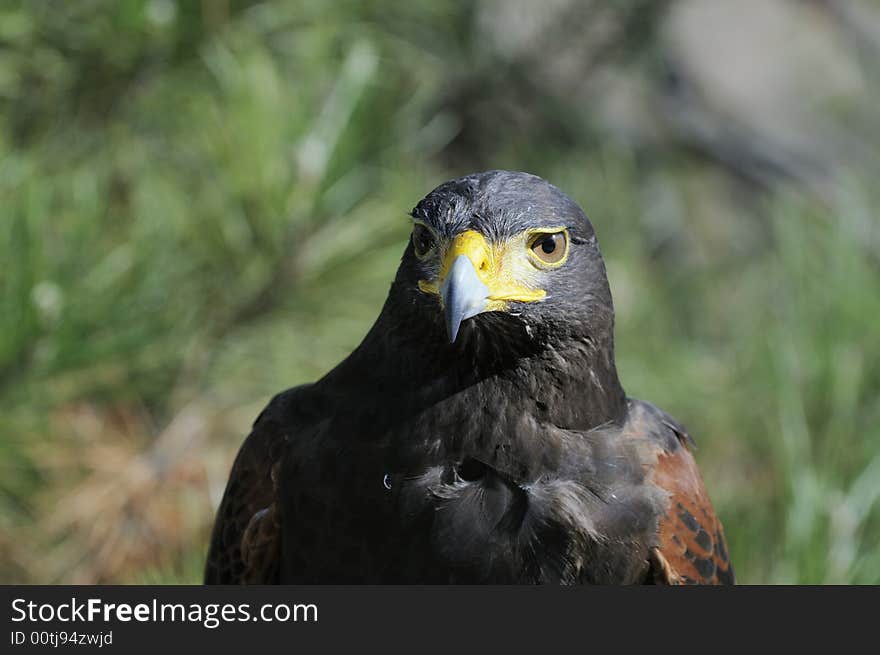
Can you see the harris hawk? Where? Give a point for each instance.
(479, 433)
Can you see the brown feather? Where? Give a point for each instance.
(246, 539)
(691, 547)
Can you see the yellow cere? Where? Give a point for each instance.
(507, 269)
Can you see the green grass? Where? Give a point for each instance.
(196, 214)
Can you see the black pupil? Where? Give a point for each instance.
(548, 244)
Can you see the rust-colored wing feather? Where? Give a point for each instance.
(691, 547)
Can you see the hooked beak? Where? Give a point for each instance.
(463, 294)
(476, 277)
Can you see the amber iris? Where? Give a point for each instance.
(549, 248)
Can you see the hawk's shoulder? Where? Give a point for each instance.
(245, 542)
(690, 548)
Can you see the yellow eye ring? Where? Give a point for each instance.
(548, 247)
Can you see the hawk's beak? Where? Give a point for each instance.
(476, 277)
(463, 294)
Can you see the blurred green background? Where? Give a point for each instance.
(188, 190)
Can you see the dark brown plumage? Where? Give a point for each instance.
(479, 434)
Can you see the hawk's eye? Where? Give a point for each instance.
(550, 248)
(423, 240)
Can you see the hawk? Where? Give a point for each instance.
(479, 434)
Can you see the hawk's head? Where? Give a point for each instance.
(506, 248)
